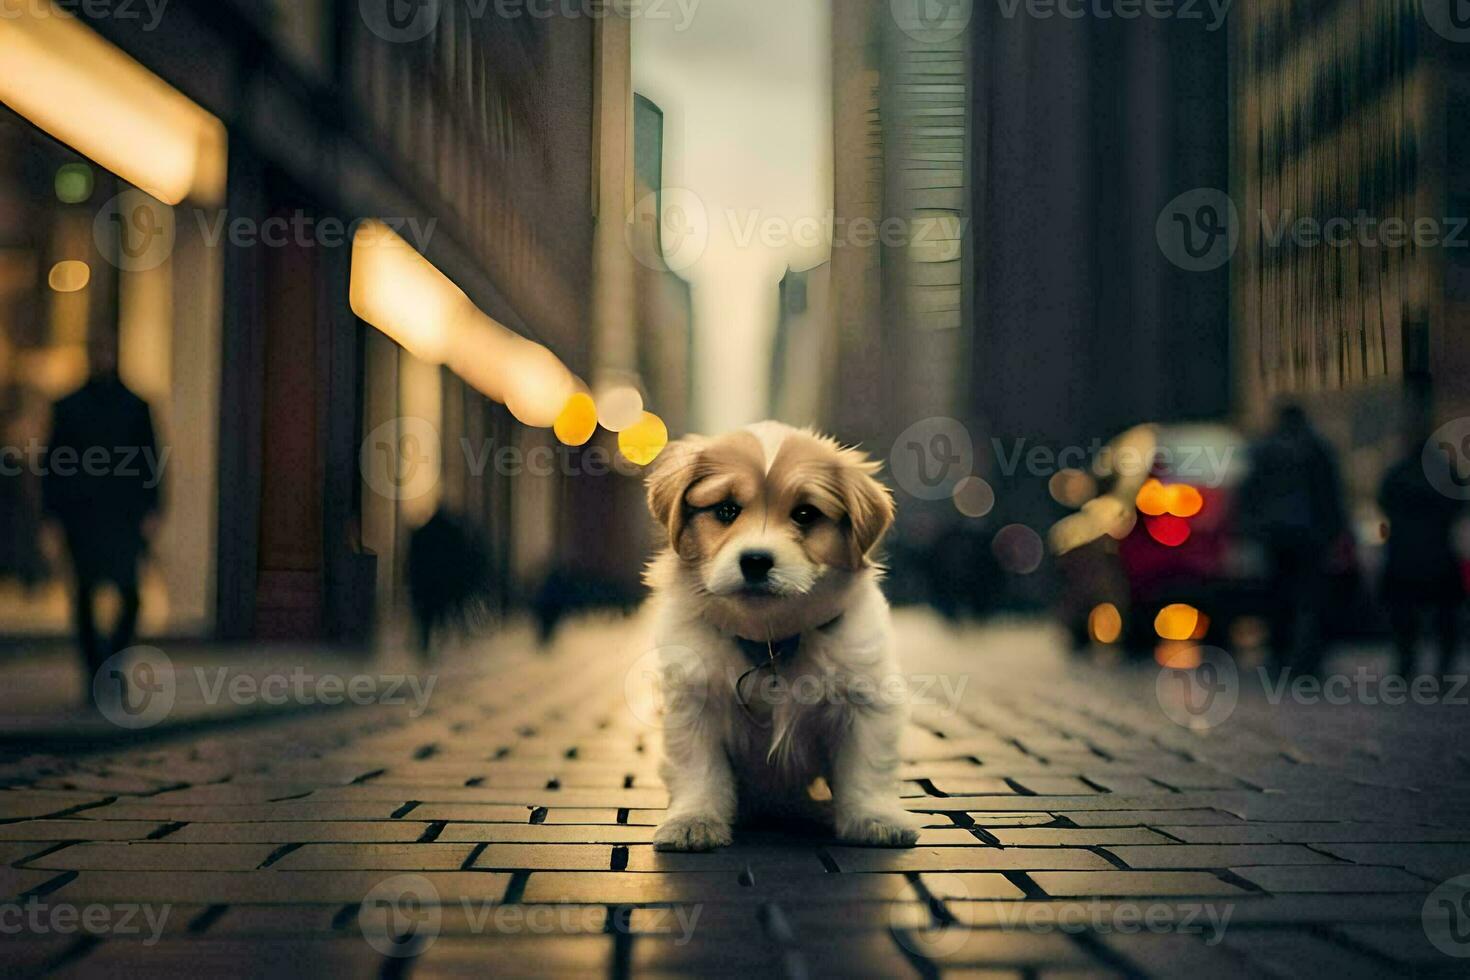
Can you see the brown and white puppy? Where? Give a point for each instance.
(775, 648)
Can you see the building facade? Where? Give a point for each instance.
(299, 434)
(1352, 275)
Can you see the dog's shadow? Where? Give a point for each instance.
(772, 844)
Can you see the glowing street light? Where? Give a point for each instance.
(85, 92)
(642, 442)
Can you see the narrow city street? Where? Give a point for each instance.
(1073, 827)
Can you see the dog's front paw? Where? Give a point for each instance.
(897, 828)
(693, 833)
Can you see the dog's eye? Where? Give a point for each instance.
(806, 515)
(726, 512)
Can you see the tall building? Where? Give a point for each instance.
(1351, 161)
(664, 303)
(925, 109)
(854, 410)
(899, 289)
(1083, 130)
(802, 369)
(1026, 161)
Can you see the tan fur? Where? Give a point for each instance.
(697, 473)
(741, 752)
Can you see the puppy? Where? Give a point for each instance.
(775, 647)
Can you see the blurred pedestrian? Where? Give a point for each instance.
(23, 417)
(567, 591)
(449, 575)
(1291, 503)
(1421, 573)
(101, 482)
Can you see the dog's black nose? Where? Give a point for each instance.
(756, 565)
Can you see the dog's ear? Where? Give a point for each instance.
(868, 502)
(669, 479)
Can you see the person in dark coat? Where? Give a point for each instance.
(1292, 505)
(1421, 572)
(101, 482)
(449, 575)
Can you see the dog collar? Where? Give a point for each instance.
(759, 653)
(766, 655)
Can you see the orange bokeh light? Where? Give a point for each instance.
(1156, 499)
(1185, 500)
(1105, 623)
(1177, 622)
(1178, 655)
(577, 422)
(1153, 499)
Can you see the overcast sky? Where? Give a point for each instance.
(747, 106)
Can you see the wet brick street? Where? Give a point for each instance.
(1073, 828)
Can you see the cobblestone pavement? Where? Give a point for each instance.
(1072, 829)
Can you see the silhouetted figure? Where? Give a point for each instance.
(22, 420)
(101, 481)
(1421, 573)
(1292, 504)
(567, 592)
(449, 575)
